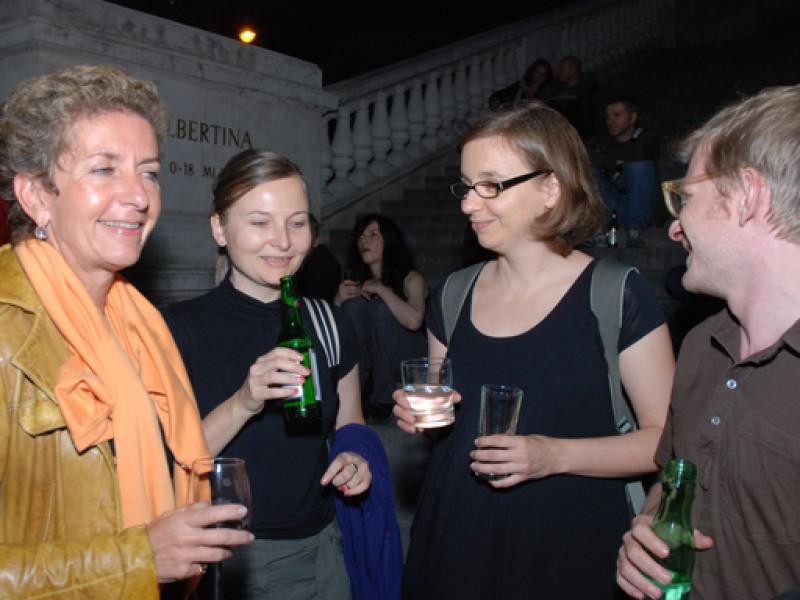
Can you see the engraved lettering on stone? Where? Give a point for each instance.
(209, 133)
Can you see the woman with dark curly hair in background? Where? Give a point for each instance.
(384, 295)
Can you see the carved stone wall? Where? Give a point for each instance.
(222, 96)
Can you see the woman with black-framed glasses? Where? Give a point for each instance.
(551, 527)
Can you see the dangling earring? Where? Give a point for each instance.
(40, 233)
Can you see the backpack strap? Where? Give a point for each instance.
(607, 298)
(326, 329)
(454, 293)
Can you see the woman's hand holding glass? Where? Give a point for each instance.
(402, 410)
(521, 457)
(184, 542)
(348, 290)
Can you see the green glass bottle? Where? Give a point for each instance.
(303, 410)
(673, 524)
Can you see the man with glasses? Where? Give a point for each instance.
(624, 164)
(735, 408)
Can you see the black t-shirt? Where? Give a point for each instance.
(220, 335)
(555, 537)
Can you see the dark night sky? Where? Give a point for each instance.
(348, 37)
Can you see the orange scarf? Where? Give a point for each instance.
(124, 376)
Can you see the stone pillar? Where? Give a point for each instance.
(433, 112)
(461, 92)
(381, 135)
(398, 120)
(362, 146)
(416, 121)
(476, 99)
(342, 149)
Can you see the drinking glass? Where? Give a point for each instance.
(428, 384)
(500, 406)
(222, 481)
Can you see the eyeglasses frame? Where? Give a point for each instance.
(675, 186)
(499, 186)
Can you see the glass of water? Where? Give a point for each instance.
(428, 384)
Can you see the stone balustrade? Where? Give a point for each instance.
(405, 114)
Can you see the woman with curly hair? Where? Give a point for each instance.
(384, 296)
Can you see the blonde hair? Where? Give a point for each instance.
(762, 132)
(37, 117)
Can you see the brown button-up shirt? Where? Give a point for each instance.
(739, 421)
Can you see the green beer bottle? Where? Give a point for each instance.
(303, 410)
(673, 524)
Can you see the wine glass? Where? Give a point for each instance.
(222, 481)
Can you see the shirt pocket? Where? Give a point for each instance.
(761, 483)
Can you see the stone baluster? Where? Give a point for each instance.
(362, 146)
(605, 40)
(578, 40)
(398, 120)
(616, 39)
(597, 28)
(499, 70)
(569, 44)
(342, 150)
(589, 35)
(512, 63)
(487, 80)
(640, 34)
(628, 31)
(461, 91)
(476, 100)
(325, 170)
(650, 16)
(650, 26)
(416, 121)
(447, 99)
(382, 136)
(433, 112)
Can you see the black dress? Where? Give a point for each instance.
(554, 538)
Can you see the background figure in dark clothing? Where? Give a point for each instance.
(321, 272)
(384, 296)
(573, 96)
(624, 164)
(535, 85)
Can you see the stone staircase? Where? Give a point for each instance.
(680, 89)
(676, 89)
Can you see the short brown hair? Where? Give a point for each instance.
(762, 132)
(248, 170)
(545, 140)
(37, 116)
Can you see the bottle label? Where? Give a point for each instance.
(312, 359)
(308, 392)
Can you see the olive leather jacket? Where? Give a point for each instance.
(60, 518)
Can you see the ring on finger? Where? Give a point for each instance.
(203, 568)
(355, 466)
